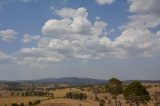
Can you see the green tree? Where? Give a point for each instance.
(114, 87)
(136, 93)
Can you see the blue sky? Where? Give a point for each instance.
(83, 38)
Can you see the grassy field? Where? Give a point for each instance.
(59, 99)
(67, 102)
(60, 93)
(25, 100)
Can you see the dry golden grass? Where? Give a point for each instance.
(25, 100)
(67, 102)
(59, 93)
(60, 101)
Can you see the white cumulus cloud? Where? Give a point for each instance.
(74, 36)
(3, 56)
(30, 38)
(72, 22)
(144, 6)
(8, 35)
(136, 38)
(102, 2)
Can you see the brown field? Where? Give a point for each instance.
(60, 93)
(25, 100)
(67, 102)
(59, 99)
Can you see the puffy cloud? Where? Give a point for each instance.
(73, 22)
(74, 36)
(144, 6)
(58, 44)
(141, 42)
(143, 21)
(98, 27)
(140, 35)
(28, 38)
(70, 12)
(37, 56)
(136, 38)
(102, 2)
(76, 43)
(8, 35)
(146, 14)
(4, 58)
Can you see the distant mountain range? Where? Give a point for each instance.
(75, 81)
(142, 81)
(71, 81)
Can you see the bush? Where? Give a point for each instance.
(76, 95)
(14, 104)
(156, 85)
(69, 95)
(37, 102)
(30, 103)
(96, 98)
(109, 101)
(12, 93)
(106, 97)
(22, 104)
(102, 102)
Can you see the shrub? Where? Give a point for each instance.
(102, 102)
(22, 104)
(156, 85)
(76, 95)
(37, 102)
(109, 101)
(30, 103)
(96, 98)
(106, 97)
(14, 104)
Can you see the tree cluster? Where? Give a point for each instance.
(135, 93)
(36, 93)
(76, 95)
(15, 104)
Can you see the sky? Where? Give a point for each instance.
(80, 38)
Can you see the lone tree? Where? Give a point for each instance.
(136, 93)
(114, 87)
